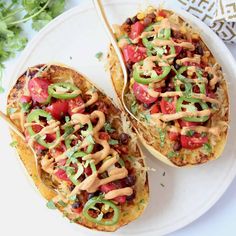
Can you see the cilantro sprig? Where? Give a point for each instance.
(15, 12)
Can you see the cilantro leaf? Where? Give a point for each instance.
(51, 205)
(113, 142)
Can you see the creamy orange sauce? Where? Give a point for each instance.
(119, 192)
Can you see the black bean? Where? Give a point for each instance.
(91, 195)
(151, 15)
(131, 197)
(128, 21)
(199, 49)
(169, 89)
(147, 21)
(72, 187)
(176, 66)
(177, 146)
(76, 205)
(134, 19)
(130, 180)
(124, 138)
(129, 67)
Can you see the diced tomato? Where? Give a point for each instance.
(88, 170)
(75, 103)
(104, 136)
(154, 109)
(184, 123)
(61, 162)
(61, 174)
(168, 106)
(105, 188)
(58, 109)
(162, 13)
(136, 29)
(77, 210)
(25, 99)
(173, 136)
(38, 147)
(210, 93)
(38, 88)
(189, 63)
(133, 53)
(50, 137)
(193, 142)
(141, 93)
(178, 49)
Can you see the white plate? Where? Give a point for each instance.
(181, 195)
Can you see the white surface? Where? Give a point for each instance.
(172, 202)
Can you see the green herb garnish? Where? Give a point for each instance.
(190, 133)
(108, 128)
(162, 134)
(172, 154)
(207, 147)
(113, 142)
(13, 143)
(25, 106)
(51, 205)
(89, 139)
(99, 55)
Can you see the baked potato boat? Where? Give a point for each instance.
(176, 90)
(84, 145)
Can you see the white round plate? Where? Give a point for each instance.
(178, 196)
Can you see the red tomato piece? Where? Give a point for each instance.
(38, 88)
(136, 29)
(188, 63)
(77, 210)
(178, 50)
(61, 174)
(173, 136)
(210, 93)
(25, 99)
(162, 13)
(112, 186)
(104, 136)
(193, 142)
(168, 107)
(141, 93)
(154, 109)
(58, 109)
(88, 170)
(184, 123)
(134, 53)
(75, 103)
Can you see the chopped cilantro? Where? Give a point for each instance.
(68, 130)
(147, 117)
(51, 205)
(13, 143)
(72, 198)
(89, 139)
(134, 107)
(190, 133)
(113, 142)
(67, 119)
(25, 106)
(172, 154)
(99, 55)
(203, 134)
(162, 185)
(162, 134)
(164, 173)
(63, 204)
(168, 99)
(11, 110)
(207, 147)
(108, 128)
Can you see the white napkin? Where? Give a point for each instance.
(220, 15)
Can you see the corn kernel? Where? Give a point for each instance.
(140, 15)
(195, 36)
(159, 18)
(183, 30)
